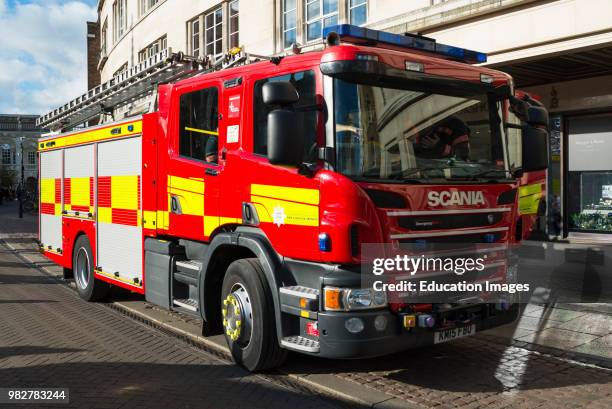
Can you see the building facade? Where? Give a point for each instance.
(558, 50)
(18, 147)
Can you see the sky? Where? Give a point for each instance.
(43, 53)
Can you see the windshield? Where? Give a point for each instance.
(398, 134)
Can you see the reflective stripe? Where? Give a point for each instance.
(193, 185)
(96, 135)
(295, 213)
(447, 233)
(294, 194)
(213, 222)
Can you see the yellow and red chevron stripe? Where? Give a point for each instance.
(119, 200)
(103, 133)
(51, 196)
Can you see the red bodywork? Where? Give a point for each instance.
(342, 203)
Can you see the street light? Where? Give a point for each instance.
(20, 190)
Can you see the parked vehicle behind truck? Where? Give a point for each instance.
(245, 195)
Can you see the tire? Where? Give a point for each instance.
(88, 287)
(253, 342)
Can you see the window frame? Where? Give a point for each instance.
(294, 28)
(119, 20)
(213, 13)
(7, 155)
(149, 51)
(320, 18)
(350, 8)
(31, 158)
(177, 127)
(230, 17)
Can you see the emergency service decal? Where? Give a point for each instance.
(283, 205)
(233, 106)
(279, 216)
(232, 133)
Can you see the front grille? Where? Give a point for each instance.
(449, 221)
(458, 239)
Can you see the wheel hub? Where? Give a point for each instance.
(237, 315)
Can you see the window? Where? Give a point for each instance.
(198, 123)
(195, 38)
(6, 156)
(213, 26)
(305, 84)
(119, 19)
(121, 69)
(155, 47)
(289, 22)
(358, 12)
(103, 38)
(146, 5)
(31, 158)
(234, 40)
(320, 14)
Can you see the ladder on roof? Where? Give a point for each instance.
(134, 84)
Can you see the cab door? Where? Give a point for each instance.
(194, 171)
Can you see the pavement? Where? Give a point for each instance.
(127, 353)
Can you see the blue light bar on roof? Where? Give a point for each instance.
(360, 35)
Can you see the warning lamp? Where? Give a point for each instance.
(324, 242)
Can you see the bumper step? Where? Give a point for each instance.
(186, 303)
(299, 343)
(300, 291)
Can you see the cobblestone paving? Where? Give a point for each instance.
(478, 373)
(51, 338)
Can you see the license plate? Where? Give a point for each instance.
(454, 333)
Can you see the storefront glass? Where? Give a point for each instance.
(589, 184)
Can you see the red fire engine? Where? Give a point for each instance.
(244, 195)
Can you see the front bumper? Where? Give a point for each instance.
(335, 341)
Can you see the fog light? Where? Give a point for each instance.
(354, 325)
(380, 323)
(426, 321)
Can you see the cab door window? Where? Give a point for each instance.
(199, 125)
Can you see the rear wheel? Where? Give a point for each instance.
(248, 317)
(88, 287)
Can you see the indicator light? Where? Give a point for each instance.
(324, 242)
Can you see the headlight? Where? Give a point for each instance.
(347, 299)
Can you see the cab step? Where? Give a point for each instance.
(186, 303)
(188, 271)
(300, 343)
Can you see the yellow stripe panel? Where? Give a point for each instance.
(124, 192)
(113, 131)
(212, 222)
(105, 215)
(79, 191)
(298, 214)
(189, 184)
(109, 275)
(163, 219)
(295, 194)
(47, 190)
(191, 203)
(148, 220)
(58, 209)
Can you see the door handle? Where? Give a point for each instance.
(211, 172)
(175, 205)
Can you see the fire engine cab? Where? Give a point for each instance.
(243, 192)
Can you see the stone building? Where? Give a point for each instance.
(18, 147)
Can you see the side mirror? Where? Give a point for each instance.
(537, 116)
(279, 93)
(535, 149)
(285, 138)
(285, 134)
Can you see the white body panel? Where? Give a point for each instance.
(51, 225)
(120, 246)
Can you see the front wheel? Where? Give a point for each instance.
(248, 317)
(88, 287)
